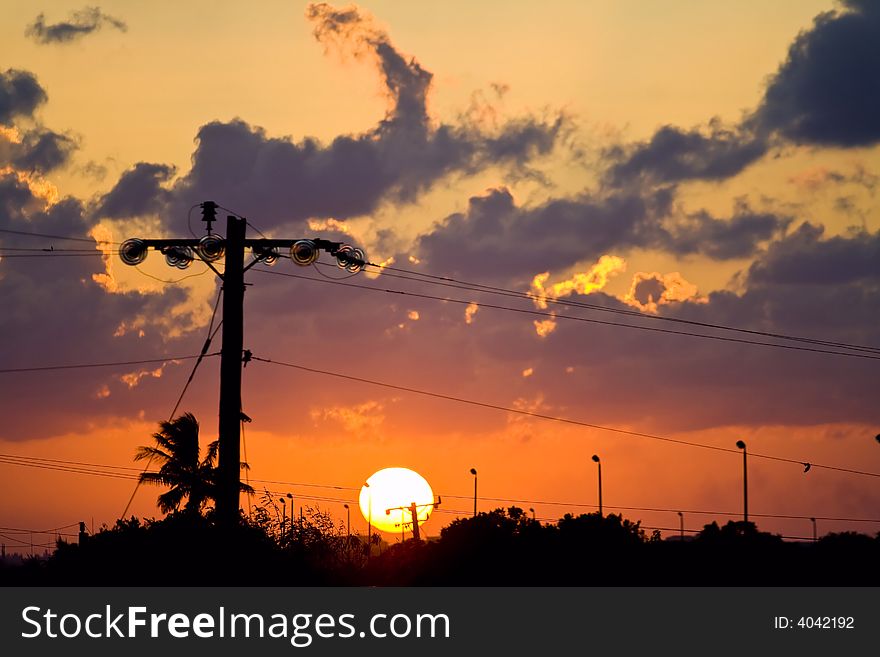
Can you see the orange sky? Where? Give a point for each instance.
(681, 164)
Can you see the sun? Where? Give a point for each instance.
(387, 491)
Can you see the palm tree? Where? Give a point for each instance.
(177, 449)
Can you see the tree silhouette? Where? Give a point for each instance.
(188, 476)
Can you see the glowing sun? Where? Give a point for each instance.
(387, 496)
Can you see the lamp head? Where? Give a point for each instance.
(740, 444)
(474, 471)
(596, 458)
(345, 505)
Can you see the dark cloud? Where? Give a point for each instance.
(673, 155)
(39, 150)
(826, 90)
(138, 191)
(804, 258)
(81, 23)
(20, 95)
(723, 239)
(279, 179)
(406, 81)
(497, 238)
(43, 150)
(56, 313)
(824, 93)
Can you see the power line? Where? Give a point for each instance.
(4, 256)
(56, 237)
(39, 531)
(170, 281)
(27, 543)
(65, 462)
(52, 249)
(552, 315)
(59, 468)
(76, 366)
(554, 418)
(446, 281)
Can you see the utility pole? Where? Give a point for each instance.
(413, 510)
(742, 446)
(230, 374)
(181, 253)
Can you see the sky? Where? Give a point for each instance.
(711, 162)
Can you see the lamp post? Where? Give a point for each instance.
(815, 537)
(347, 520)
(474, 472)
(283, 514)
(742, 446)
(290, 529)
(681, 525)
(599, 463)
(533, 512)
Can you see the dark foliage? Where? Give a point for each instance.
(499, 548)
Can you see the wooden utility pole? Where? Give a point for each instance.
(413, 509)
(230, 374)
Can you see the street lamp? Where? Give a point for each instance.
(599, 463)
(681, 525)
(813, 520)
(347, 519)
(290, 529)
(474, 472)
(283, 514)
(533, 512)
(742, 446)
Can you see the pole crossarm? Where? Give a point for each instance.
(181, 252)
(270, 242)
